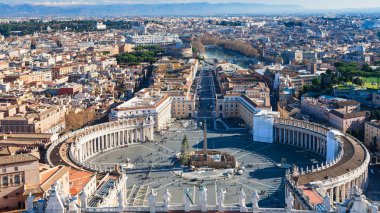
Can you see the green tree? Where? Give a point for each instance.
(316, 82)
(366, 68)
(141, 54)
(185, 151)
(358, 81)
(373, 145)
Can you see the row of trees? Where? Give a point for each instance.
(148, 54)
(293, 24)
(232, 45)
(198, 46)
(80, 119)
(229, 23)
(346, 72)
(31, 26)
(349, 71)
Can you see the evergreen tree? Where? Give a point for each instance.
(185, 151)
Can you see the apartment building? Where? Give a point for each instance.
(18, 177)
(43, 120)
(320, 108)
(372, 135)
(238, 105)
(348, 121)
(146, 103)
(59, 71)
(183, 106)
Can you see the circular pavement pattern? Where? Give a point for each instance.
(259, 159)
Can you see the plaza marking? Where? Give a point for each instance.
(216, 193)
(194, 194)
(250, 180)
(253, 143)
(236, 181)
(111, 151)
(271, 170)
(254, 151)
(156, 151)
(168, 184)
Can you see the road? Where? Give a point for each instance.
(373, 189)
(206, 92)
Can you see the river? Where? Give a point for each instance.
(213, 52)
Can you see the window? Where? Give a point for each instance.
(5, 181)
(17, 179)
(16, 169)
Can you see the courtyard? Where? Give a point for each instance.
(156, 167)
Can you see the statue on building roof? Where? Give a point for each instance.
(152, 201)
(220, 199)
(289, 201)
(167, 197)
(203, 198)
(255, 200)
(242, 198)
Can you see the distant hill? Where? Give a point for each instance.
(170, 9)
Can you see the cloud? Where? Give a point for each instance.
(63, 3)
(315, 4)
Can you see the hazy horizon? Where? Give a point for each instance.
(317, 4)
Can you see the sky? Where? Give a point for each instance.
(309, 4)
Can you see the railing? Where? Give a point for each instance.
(313, 127)
(321, 129)
(87, 131)
(192, 208)
(55, 143)
(299, 193)
(353, 174)
(328, 183)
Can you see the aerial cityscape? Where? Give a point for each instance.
(190, 106)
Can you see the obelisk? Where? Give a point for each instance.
(205, 140)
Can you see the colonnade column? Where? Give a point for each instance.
(274, 134)
(336, 193)
(143, 134)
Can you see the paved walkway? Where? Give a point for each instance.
(60, 156)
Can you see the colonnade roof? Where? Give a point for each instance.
(353, 157)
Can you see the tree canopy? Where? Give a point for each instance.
(236, 45)
(185, 151)
(31, 26)
(141, 54)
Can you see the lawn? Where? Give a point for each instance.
(371, 82)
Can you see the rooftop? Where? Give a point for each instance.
(5, 160)
(142, 103)
(78, 180)
(353, 157)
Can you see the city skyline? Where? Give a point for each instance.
(319, 4)
(189, 106)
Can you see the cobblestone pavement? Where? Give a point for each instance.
(259, 159)
(373, 189)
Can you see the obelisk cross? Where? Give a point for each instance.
(205, 141)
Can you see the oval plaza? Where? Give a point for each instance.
(342, 160)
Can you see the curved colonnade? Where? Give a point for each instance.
(347, 167)
(107, 136)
